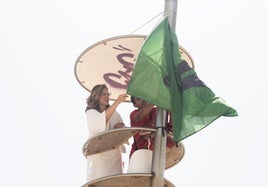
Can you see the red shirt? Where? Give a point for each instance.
(145, 141)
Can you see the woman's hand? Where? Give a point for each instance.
(121, 98)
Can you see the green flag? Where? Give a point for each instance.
(161, 77)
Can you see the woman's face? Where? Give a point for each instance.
(138, 102)
(104, 99)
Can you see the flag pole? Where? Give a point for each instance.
(160, 139)
(171, 12)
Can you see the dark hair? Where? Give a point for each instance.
(132, 98)
(93, 99)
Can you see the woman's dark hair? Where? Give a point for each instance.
(132, 99)
(93, 99)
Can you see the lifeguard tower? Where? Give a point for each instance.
(115, 73)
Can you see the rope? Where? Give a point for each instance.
(147, 22)
(163, 130)
(163, 133)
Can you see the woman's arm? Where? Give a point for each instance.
(109, 111)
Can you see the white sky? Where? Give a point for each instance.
(42, 104)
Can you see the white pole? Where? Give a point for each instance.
(160, 139)
(171, 12)
(159, 154)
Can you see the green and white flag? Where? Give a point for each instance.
(161, 77)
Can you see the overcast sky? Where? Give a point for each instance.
(42, 104)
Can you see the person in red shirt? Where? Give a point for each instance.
(145, 116)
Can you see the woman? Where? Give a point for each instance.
(100, 117)
(143, 116)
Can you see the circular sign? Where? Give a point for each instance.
(111, 62)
